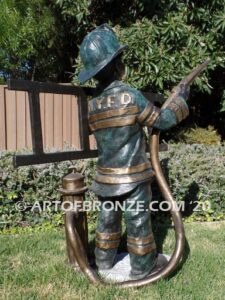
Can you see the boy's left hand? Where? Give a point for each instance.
(184, 91)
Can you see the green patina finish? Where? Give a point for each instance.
(117, 116)
(124, 146)
(138, 224)
(98, 48)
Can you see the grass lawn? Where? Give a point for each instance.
(33, 267)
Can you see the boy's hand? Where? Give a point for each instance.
(184, 91)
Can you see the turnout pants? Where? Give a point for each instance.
(140, 239)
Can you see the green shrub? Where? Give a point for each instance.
(195, 173)
(30, 184)
(196, 176)
(196, 135)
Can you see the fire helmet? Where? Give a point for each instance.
(98, 48)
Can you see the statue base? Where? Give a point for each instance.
(121, 270)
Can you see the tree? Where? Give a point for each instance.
(39, 39)
(167, 42)
(36, 41)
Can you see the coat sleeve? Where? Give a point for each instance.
(163, 119)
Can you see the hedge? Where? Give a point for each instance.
(197, 176)
(195, 173)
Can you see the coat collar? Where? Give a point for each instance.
(114, 84)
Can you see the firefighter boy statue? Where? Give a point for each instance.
(117, 116)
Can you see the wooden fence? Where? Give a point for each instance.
(59, 118)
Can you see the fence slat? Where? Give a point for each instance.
(92, 140)
(20, 120)
(49, 119)
(75, 124)
(58, 121)
(2, 119)
(67, 105)
(11, 119)
(42, 108)
(28, 125)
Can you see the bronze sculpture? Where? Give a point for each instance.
(117, 115)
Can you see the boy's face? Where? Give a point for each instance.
(113, 71)
(121, 68)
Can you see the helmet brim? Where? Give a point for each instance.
(85, 74)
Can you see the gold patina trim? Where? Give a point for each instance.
(108, 235)
(125, 179)
(184, 109)
(140, 240)
(115, 122)
(152, 118)
(141, 250)
(113, 113)
(148, 109)
(107, 244)
(179, 108)
(176, 109)
(128, 170)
